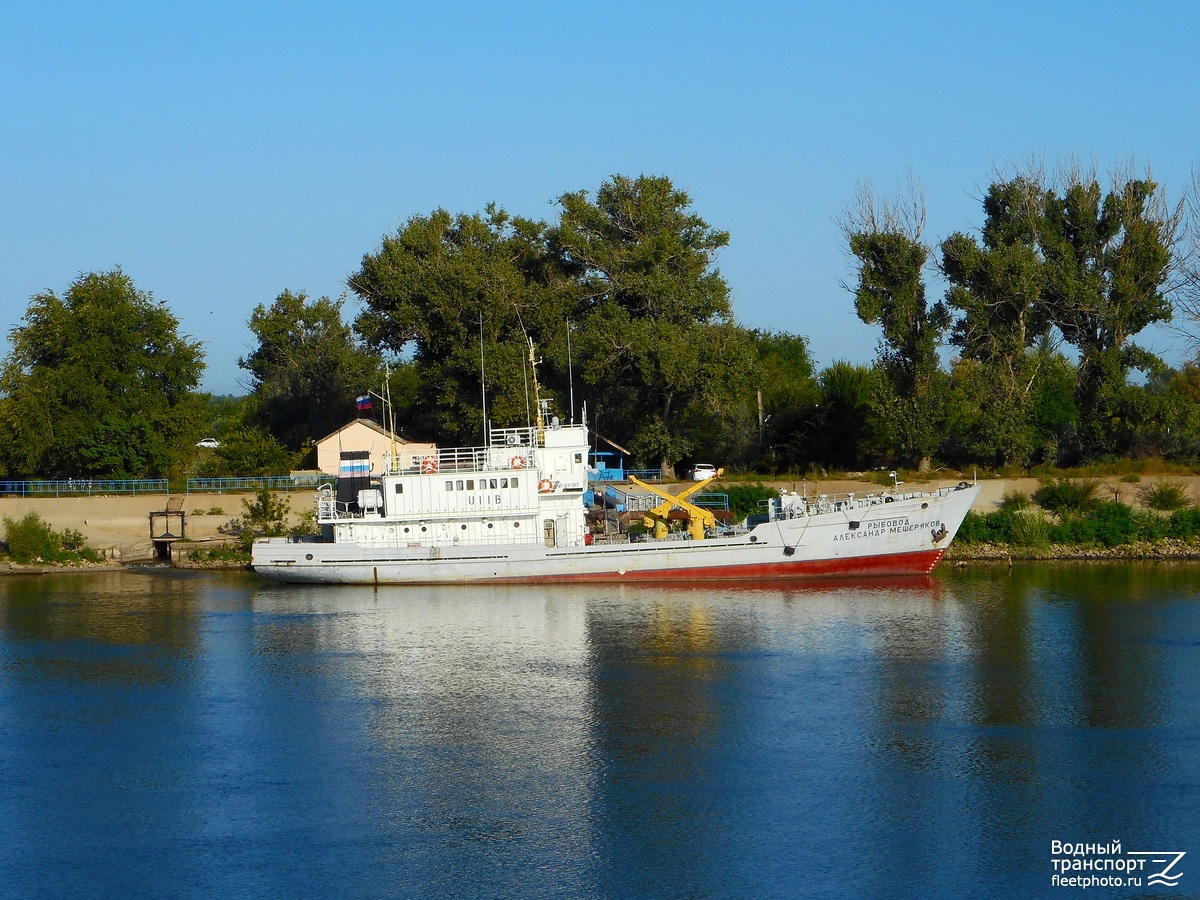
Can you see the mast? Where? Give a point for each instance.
(483, 382)
(537, 400)
(571, 375)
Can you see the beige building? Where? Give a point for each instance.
(363, 434)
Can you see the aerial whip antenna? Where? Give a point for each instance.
(483, 381)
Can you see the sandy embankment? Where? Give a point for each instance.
(122, 523)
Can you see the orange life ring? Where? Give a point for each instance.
(429, 465)
(517, 462)
(545, 486)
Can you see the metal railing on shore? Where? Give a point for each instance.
(83, 487)
(246, 483)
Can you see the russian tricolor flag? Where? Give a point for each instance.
(364, 402)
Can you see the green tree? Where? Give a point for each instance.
(1181, 396)
(251, 450)
(99, 383)
(307, 369)
(1054, 410)
(889, 290)
(1108, 263)
(787, 402)
(661, 353)
(846, 433)
(442, 285)
(998, 285)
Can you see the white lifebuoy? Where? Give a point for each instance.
(517, 462)
(429, 465)
(545, 486)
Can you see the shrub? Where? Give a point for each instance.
(973, 530)
(1163, 495)
(1109, 525)
(1064, 496)
(1029, 528)
(1005, 526)
(306, 525)
(31, 538)
(744, 498)
(1148, 526)
(1184, 524)
(262, 516)
(265, 514)
(72, 539)
(1015, 501)
(216, 511)
(219, 554)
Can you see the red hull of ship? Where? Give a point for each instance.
(920, 562)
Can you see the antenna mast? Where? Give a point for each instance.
(483, 381)
(570, 373)
(537, 400)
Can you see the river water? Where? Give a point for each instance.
(175, 734)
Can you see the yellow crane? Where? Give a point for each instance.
(699, 518)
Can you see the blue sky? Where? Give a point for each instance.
(220, 153)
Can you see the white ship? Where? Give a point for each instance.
(513, 511)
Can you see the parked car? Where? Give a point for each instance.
(209, 443)
(703, 470)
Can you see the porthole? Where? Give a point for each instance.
(463, 527)
(490, 525)
(924, 506)
(308, 556)
(516, 524)
(423, 528)
(754, 539)
(406, 530)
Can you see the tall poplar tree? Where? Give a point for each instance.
(1108, 263)
(885, 241)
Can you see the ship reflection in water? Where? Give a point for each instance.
(203, 735)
